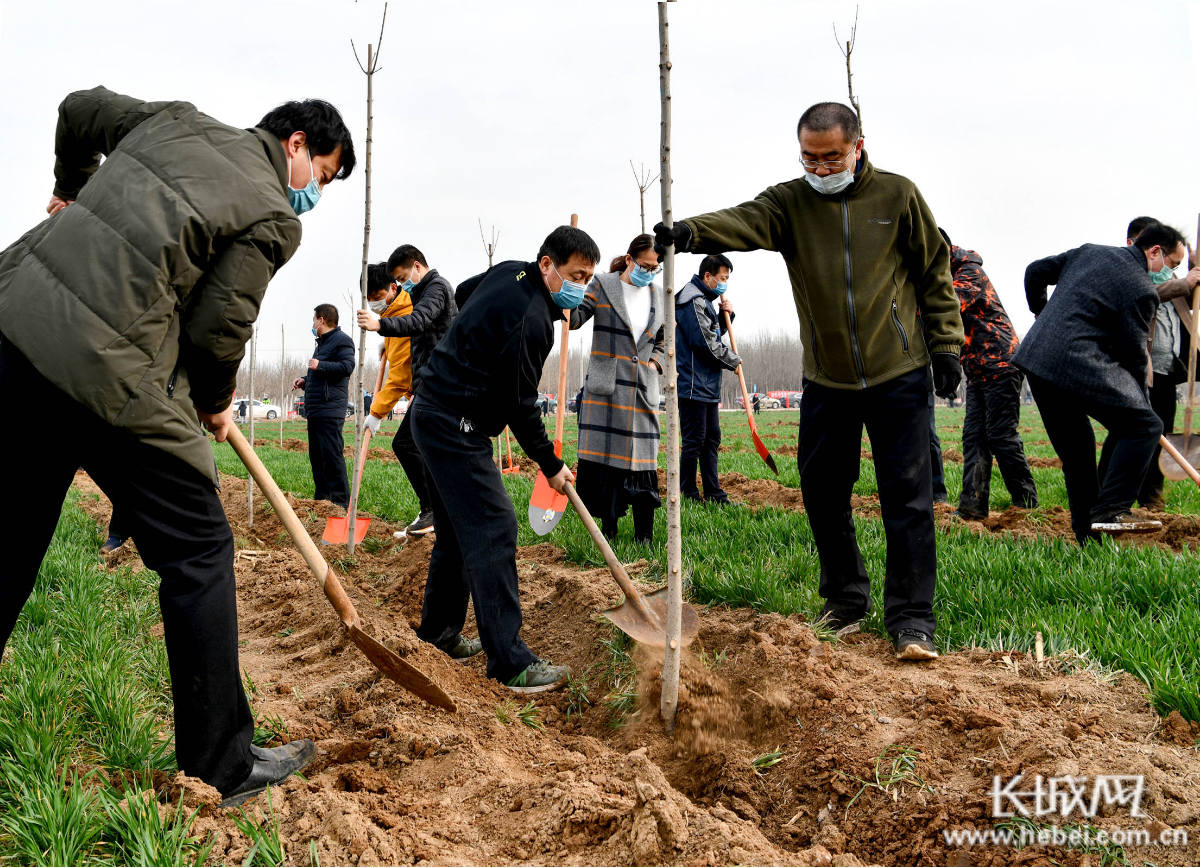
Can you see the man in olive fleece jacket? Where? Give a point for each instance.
(865, 258)
(128, 311)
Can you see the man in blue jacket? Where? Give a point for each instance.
(701, 359)
(326, 395)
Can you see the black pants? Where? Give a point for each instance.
(895, 414)
(1135, 432)
(935, 455)
(410, 459)
(990, 429)
(117, 526)
(1162, 401)
(176, 519)
(469, 504)
(700, 430)
(326, 448)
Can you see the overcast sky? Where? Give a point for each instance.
(1030, 127)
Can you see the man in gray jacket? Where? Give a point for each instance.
(128, 311)
(1086, 359)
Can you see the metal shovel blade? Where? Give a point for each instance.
(650, 627)
(1169, 466)
(1117, 528)
(335, 530)
(393, 666)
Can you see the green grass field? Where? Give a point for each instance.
(1131, 609)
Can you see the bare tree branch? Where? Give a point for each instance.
(846, 52)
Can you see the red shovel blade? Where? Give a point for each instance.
(335, 530)
(546, 506)
(763, 453)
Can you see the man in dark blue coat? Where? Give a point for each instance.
(326, 396)
(1086, 358)
(701, 360)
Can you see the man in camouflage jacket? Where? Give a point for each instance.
(993, 391)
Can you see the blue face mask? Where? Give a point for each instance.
(1163, 274)
(721, 287)
(640, 276)
(408, 285)
(571, 294)
(314, 331)
(306, 199)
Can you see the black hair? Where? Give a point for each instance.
(827, 116)
(321, 124)
(713, 263)
(946, 236)
(326, 312)
(379, 276)
(404, 256)
(565, 241)
(1160, 235)
(637, 247)
(1137, 224)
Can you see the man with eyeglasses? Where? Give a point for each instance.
(865, 259)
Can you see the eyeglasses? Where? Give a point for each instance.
(655, 270)
(834, 164)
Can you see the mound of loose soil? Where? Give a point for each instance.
(397, 781)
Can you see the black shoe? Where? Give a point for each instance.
(272, 766)
(1124, 521)
(465, 649)
(841, 622)
(112, 544)
(966, 516)
(421, 525)
(915, 645)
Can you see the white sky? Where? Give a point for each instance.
(1030, 127)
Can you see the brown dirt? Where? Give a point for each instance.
(399, 782)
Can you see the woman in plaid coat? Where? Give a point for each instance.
(618, 415)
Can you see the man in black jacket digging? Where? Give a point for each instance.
(326, 396)
(1085, 356)
(482, 377)
(433, 311)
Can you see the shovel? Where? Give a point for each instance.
(763, 453)
(643, 619)
(1184, 444)
(335, 528)
(512, 468)
(382, 658)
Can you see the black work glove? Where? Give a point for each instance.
(679, 233)
(947, 374)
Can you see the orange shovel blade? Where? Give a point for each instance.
(546, 506)
(335, 530)
(764, 453)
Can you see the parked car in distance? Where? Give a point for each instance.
(261, 410)
(789, 399)
(765, 401)
(547, 404)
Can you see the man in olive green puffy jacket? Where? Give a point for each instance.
(865, 259)
(128, 311)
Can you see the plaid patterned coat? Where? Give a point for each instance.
(618, 416)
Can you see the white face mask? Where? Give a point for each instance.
(830, 184)
(378, 306)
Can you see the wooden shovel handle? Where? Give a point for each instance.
(614, 565)
(1191, 381)
(741, 376)
(291, 523)
(1179, 459)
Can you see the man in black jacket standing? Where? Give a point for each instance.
(326, 396)
(433, 311)
(1086, 358)
(481, 377)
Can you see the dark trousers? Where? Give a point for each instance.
(470, 504)
(643, 523)
(117, 526)
(1162, 401)
(935, 455)
(326, 448)
(990, 429)
(1134, 430)
(895, 414)
(700, 430)
(176, 519)
(410, 459)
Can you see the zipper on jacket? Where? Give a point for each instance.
(862, 374)
(171, 382)
(812, 333)
(899, 325)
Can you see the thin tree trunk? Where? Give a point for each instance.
(282, 383)
(642, 196)
(670, 687)
(352, 511)
(250, 414)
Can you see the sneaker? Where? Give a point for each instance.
(540, 676)
(272, 766)
(915, 645)
(465, 648)
(1124, 521)
(112, 544)
(842, 623)
(421, 525)
(400, 535)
